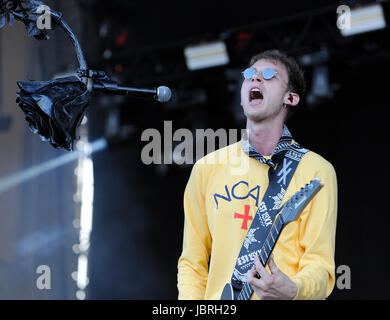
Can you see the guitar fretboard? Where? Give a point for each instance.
(265, 252)
(290, 211)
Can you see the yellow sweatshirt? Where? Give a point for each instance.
(218, 199)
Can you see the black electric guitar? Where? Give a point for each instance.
(288, 212)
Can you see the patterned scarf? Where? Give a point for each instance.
(283, 164)
(283, 145)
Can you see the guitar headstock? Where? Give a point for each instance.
(293, 207)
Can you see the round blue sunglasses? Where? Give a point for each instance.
(267, 73)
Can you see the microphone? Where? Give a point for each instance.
(102, 82)
(162, 94)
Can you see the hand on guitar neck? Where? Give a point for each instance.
(271, 286)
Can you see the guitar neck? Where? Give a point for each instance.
(265, 253)
(289, 212)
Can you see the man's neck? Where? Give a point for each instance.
(264, 136)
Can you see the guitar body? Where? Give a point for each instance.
(227, 293)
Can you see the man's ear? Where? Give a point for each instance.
(291, 99)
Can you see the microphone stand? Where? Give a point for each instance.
(62, 134)
(102, 82)
(23, 16)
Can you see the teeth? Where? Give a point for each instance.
(255, 94)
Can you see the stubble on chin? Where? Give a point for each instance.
(254, 116)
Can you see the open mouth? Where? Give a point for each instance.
(255, 96)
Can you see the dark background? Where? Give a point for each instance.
(136, 238)
(138, 209)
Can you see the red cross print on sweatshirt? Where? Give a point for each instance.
(245, 217)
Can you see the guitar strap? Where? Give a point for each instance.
(283, 164)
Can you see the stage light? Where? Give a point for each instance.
(84, 196)
(82, 270)
(361, 20)
(206, 55)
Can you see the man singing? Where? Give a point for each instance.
(220, 204)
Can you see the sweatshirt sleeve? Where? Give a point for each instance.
(315, 278)
(193, 262)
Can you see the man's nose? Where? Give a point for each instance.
(257, 78)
